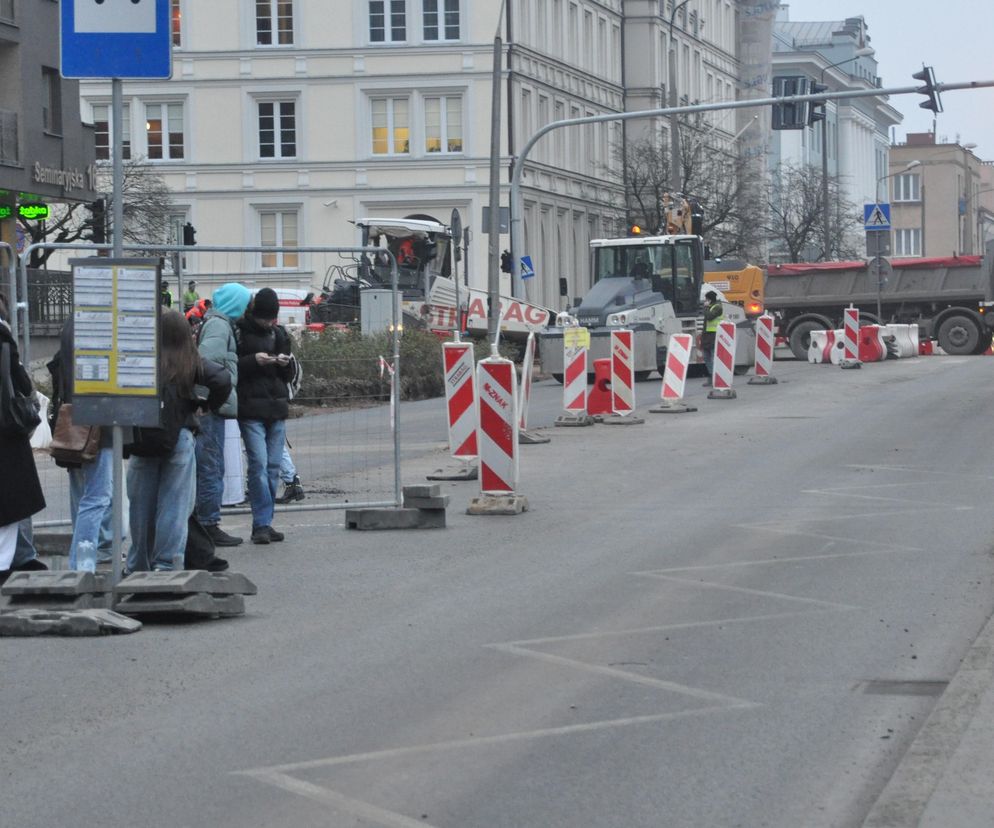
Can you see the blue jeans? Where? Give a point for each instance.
(162, 491)
(210, 469)
(288, 471)
(93, 483)
(76, 485)
(24, 550)
(264, 442)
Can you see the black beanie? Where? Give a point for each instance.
(266, 304)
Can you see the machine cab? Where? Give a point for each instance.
(420, 247)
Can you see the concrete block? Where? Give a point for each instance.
(440, 502)
(722, 394)
(672, 408)
(50, 583)
(30, 622)
(404, 518)
(432, 519)
(513, 504)
(531, 438)
(422, 490)
(622, 419)
(184, 582)
(467, 471)
(198, 603)
(767, 380)
(574, 420)
(52, 543)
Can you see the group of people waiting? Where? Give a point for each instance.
(236, 365)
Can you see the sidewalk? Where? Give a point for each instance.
(946, 779)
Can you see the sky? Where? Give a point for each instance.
(955, 37)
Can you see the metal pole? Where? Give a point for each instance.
(826, 253)
(12, 287)
(671, 97)
(967, 247)
(117, 446)
(493, 273)
(395, 402)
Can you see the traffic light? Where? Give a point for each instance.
(790, 115)
(816, 109)
(189, 235)
(927, 76)
(505, 261)
(96, 225)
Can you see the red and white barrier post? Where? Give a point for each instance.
(526, 437)
(765, 342)
(678, 353)
(497, 437)
(460, 409)
(623, 379)
(724, 362)
(576, 342)
(850, 356)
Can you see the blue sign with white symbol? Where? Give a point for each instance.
(876, 217)
(116, 39)
(527, 270)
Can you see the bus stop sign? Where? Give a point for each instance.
(116, 39)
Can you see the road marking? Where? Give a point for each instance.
(768, 561)
(746, 590)
(841, 493)
(921, 471)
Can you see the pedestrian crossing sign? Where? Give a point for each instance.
(876, 216)
(527, 270)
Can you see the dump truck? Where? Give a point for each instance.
(951, 299)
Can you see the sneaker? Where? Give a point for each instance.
(291, 491)
(275, 536)
(220, 537)
(260, 535)
(216, 564)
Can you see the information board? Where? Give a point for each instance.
(116, 341)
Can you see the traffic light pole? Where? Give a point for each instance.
(117, 432)
(519, 162)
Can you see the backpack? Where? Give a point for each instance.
(161, 442)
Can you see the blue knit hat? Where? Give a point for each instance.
(231, 299)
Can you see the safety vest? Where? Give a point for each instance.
(711, 325)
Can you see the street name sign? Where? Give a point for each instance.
(116, 39)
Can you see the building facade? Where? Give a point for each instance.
(941, 197)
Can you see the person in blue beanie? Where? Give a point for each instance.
(216, 341)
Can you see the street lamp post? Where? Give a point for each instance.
(672, 102)
(909, 166)
(825, 225)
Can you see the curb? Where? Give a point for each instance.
(906, 795)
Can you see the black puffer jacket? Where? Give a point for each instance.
(262, 390)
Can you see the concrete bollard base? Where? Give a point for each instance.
(574, 420)
(762, 381)
(530, 438)
(510, 504)
(672, 408)
(622, 419)
(722, 394)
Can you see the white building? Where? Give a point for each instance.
(286, 119)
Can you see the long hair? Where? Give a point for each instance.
(178, 357)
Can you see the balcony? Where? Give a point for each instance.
(8, 138)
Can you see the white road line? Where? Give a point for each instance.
(921, 471)
(326, 796)
(841, 493)
(503, 738)
(787, 527)
(768, 561)
(748, 591)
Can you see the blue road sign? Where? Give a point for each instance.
(116, 39)
(527, 269)
(876, 217)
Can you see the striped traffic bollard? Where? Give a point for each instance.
(460, 408)
(623, 379)
(526, 437)
(498, 439)
(765, 342)
(850, 356)
(576, 342)
(675, 376)
(724, 362)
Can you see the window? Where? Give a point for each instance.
(164, 131)
(388, 21)
(391, 127)
(278, 229)
(443, 124)
(274, 22)
(908, 242)
(102, 127)
(441, 20)
(907, 187)
(176, 23)
(51, 107)
(277, 129)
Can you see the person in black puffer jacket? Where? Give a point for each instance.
(263, 405)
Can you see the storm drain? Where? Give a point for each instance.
(886, 687)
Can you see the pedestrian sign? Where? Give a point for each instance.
(116, 39)
(527, 269)
(876, 216)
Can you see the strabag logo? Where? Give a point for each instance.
(458, 374)
(494, 394)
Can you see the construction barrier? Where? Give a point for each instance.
(678, 352)
(901, 340)
(724, 362)
(576, 341)
(498, 428)
(765, 343)
(850, 356)
(460, 399)
(622, 373)
(599, 398)
(821, 346)
(872, 347)
(527, 367)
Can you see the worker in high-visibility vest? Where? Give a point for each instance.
(713, 313)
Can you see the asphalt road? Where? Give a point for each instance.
(735, 617)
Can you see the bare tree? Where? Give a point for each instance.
(147, 203)
(796, 208)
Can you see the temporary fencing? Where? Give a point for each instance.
(498, 433)
(345, 448)
(724, 362)
(622, 372)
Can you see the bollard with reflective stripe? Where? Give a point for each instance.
(575, 376)
(724, 362)
(498, 429)
(850, 356)
(765, 342)
(622, 373)
(678, 353)
(460, 398)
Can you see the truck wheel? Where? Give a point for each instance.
(984, 343)
(558, 378)
(800, 339)
(642, 376)
(958, 335)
